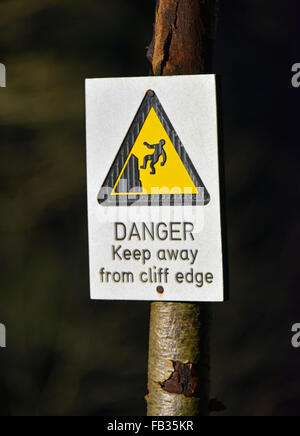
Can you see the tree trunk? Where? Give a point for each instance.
(179, 361)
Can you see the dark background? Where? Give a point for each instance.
(68, 355)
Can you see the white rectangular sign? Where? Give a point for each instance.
(153, 189)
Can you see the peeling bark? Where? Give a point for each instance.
(182, 38)
(183, 381)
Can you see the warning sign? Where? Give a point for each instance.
(154, 189)
(152, 166)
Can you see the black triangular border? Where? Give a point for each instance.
(106, 199)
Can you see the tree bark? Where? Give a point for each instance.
(179, 358)
(178, 378)
(183, 36)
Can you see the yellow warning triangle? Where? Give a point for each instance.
(169, 175)
(152, 166)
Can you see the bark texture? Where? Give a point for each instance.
(179, 358)
(178, 382)
(183, 35)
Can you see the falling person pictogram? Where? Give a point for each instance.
(154, 157)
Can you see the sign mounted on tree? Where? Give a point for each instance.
(153, 189)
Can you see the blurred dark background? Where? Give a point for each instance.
(68, 355)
